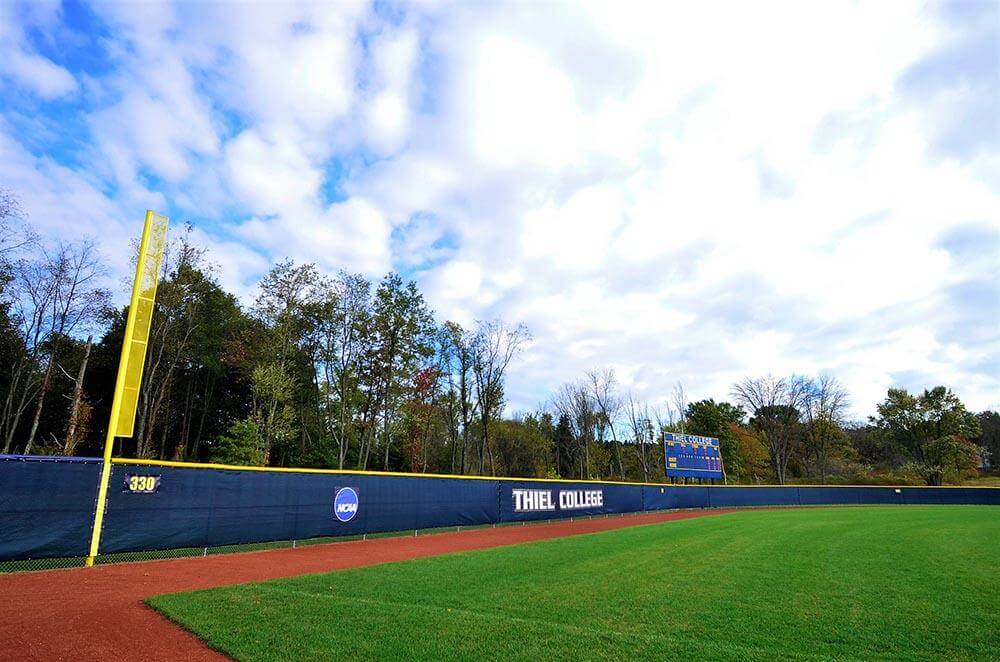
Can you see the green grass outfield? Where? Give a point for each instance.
(897, 582)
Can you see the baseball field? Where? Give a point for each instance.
(916, 582)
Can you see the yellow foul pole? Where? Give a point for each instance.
(133, 357)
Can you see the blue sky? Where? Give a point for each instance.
(685, 192)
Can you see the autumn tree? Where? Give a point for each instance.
(753, 460)
(775, 404)
(825, 403)
(573, 403)
(493, 347)
(54, 293)
(608, 402)
(644, 432)
(421, 413)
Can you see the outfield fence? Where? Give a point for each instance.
(163, 509)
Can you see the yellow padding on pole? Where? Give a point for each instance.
(147, 276)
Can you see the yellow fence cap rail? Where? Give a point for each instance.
(403, 474)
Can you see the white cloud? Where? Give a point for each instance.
(270, 175)
(574, 236)
(39, 74)
(524, 108)
(352, 235)
(31, 70)
(238, 266)
(395, 57)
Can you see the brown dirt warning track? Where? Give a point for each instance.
(98, 613)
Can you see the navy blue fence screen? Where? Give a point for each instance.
(47, 504)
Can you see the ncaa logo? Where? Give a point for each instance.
(345, 504)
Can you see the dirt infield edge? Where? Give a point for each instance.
(99, 613)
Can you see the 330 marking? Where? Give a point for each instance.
(141, 484)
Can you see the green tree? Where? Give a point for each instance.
(523, 448)
(709, 418)
(989, 439)
(951, 457)
(933, 429)
(242, 445)
(402, 330)
(342, 316)
(564, 447)
(457, 358)
(273, 409)
(283, 360)
(196, 382)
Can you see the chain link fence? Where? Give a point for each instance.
(34, 565)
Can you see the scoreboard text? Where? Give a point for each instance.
(690, 456)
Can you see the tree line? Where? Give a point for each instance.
(350, 373)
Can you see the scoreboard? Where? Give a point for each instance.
(690, 456)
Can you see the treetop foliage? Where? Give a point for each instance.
(345, 372)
